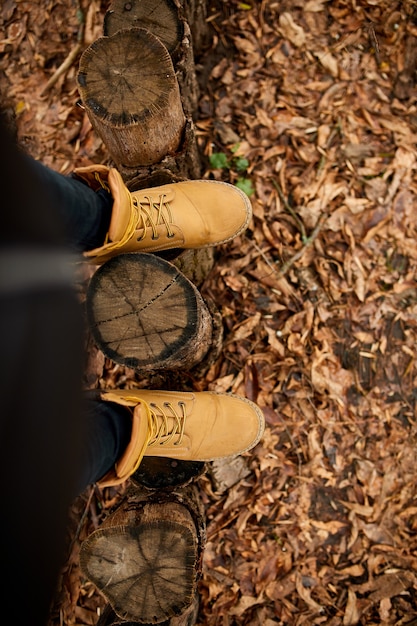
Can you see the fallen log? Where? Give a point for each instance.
(187, 618)
(148, 150)
(146, 315)
(128, 86)
(181, 26)
(146, 557)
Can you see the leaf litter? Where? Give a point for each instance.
(318, 298)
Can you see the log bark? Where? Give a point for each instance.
(128, 87)
(146, 557)
(145, 314)
(187, 618)
(154, 540)
(161, 472)
(195, 14)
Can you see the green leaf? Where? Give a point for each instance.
(245, 185)
(240, 164)
(218, 161)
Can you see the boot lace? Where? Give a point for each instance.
(103, 183)
(152, 214)
(166, 424)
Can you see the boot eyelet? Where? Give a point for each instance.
(155, 238)
(171, 236)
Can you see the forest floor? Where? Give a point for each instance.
(318, 298)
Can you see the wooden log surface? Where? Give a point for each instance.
(132, 551)
(128, 87)
(187, 618)
(145, 314)
(160, 17)
(146, 557)
(161, 472)
(167, 20)
(183, 165)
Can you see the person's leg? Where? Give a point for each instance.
(143, 560)
(108, 432)
(102, 218)
(40, 434)
(41, 340)
(51, 445)
(85, 213)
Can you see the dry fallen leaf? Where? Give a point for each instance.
(322, 529)
(291, 31)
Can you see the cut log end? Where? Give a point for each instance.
(145, 314)
(147, 573)
(127, 77)
(145, 566)
(158, 16)
(128, 86)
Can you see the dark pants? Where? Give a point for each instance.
(85, 214)
(53, 440)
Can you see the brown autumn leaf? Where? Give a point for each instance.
(311, 93)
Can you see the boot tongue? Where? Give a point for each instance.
(122, 214)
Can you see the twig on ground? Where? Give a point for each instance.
(307, 241)
(82, 519)
(290, 210)
(64, 67)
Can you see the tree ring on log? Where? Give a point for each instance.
(145, 314)
(160, 17)
(128, 86)
(146, 565)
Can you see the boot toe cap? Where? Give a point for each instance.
(238, 427)
(225, 211)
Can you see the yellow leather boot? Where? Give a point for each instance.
(202, 426)
(187, 214)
